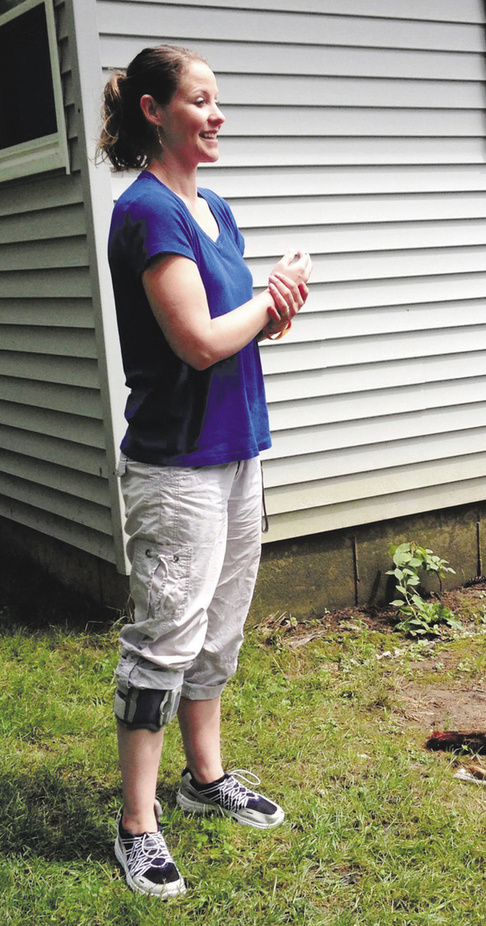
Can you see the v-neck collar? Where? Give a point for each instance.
(180, 200)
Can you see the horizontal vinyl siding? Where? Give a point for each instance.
(470, 11)
(355, 129)
(53, 469)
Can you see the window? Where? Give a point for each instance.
(32, 128)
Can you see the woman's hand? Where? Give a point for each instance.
(287, 302)
(287, 286)
(288, 297)
(296, 265)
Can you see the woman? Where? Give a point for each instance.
(189, 326)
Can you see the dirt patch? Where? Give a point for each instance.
(454, 706)
(462, 601)
(435, 706)
(442, 708)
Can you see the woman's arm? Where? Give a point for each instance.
(178, 300)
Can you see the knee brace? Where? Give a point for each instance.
(146, 708)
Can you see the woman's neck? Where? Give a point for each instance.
(184, 183)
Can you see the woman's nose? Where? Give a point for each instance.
(217, 115)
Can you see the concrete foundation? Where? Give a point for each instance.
(303, 577)
(328, 571)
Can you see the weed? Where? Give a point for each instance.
(419, 617)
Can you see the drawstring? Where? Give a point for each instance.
(264, 507)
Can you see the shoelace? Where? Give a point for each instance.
(149, 850)
(231, 793)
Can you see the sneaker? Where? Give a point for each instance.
(148, 865)
(228, 797)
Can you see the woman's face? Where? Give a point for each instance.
(191, 121)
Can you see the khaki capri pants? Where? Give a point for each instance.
(194, 546)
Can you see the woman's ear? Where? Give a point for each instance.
(151, 109)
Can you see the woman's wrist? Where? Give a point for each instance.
(272, 310)
(275, 336)
(273, 319)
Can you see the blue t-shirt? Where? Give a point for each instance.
(176, 414)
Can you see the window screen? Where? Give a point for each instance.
(27, 105)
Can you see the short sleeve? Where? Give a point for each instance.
(149, 224)
(167, 230)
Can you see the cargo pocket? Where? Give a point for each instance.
(160, 583)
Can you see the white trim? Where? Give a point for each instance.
(99, 204)
(50, 151)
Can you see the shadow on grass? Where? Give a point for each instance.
(46, 814)
(31, 597)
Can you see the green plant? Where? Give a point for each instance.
(419, 617)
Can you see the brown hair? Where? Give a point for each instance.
(127, 139)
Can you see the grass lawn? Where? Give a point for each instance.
(332, 714)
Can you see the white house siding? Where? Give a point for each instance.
(55, 470)
(355, 129)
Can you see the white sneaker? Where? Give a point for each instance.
(148, 865)
(229, 797)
